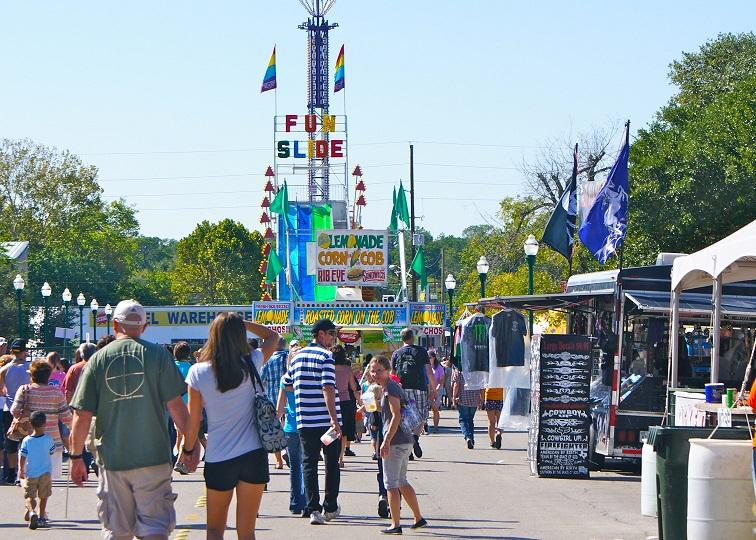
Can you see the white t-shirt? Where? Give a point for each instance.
(230, 418)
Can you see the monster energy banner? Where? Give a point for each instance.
(564, 419)
(479, 334)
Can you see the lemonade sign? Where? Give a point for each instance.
(352, 258)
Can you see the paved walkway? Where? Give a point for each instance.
(481, 493)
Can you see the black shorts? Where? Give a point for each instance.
(348, 424)
(10, 447)
(251, 467)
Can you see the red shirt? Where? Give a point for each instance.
(72, 380)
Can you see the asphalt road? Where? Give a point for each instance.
(480, 493)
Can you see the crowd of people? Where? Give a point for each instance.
(210, 400)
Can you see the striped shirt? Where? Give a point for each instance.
(272, 372)
(48, 399)
(468, 398)
(311, 370)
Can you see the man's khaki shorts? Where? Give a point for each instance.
(138, 502)
(41, 487)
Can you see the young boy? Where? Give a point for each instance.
(34, 470)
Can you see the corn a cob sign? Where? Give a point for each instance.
(352, 258)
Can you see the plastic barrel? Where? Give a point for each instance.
(720, 489)
(648, 480)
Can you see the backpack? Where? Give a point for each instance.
(405, 366)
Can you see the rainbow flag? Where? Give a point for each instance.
(339, 76)
(269, 81)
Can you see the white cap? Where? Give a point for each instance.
(130, 312)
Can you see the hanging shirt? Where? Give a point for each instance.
(475, 343)
(507, 339)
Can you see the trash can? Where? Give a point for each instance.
(672, 447)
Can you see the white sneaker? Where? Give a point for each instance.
(316, 518)
(333, 515)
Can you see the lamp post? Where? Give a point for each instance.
(450, 284)
(108, 314)
(66, 300)
(18, 284)
(80, 301)
(482, 267)
(531, 250)
(94, 306)
(46, 292)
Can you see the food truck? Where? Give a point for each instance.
(626, 315)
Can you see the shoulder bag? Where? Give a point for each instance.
(411, 418)
(268, 426)
(21, 427)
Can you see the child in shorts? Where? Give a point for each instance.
(35, 469)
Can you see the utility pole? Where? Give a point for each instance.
(440, 289)
(413, 296)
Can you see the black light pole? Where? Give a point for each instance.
(450, 284)
(18, 284)
(80, 301)
(531, 250)
(108, 315)
(46, 292)
(66, 300)
(482, 268)
(94, 306)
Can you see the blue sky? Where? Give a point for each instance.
(163, 97)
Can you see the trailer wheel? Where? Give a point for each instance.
(595, 460)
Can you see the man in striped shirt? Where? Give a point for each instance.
(313, 375)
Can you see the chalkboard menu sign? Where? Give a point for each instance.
(564, 419)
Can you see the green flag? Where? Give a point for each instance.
(280, 204)
(394, 225)
(274, 267)
(402, 211)
(418, 267)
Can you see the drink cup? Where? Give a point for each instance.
(368, 400)
(328, 437)
(730, 397)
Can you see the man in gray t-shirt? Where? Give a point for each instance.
(13, 376)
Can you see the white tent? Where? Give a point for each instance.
(730, 260)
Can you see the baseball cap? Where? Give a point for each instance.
(293, 342)
(130, 312)
(18, 345)
(322, 324)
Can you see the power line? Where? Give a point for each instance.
(268, 149)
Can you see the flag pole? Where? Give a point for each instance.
(622, 245)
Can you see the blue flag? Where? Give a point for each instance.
(604, 229)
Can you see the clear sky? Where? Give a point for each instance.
(163, 97)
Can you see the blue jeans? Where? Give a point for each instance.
(466, 417)
(297, 501)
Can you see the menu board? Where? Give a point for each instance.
(564, 418)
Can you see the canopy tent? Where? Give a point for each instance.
(730, 260)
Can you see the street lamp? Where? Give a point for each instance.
(18, 284)
(80, 301)
(108, 314)
(482, 267)
(94, 306)
(46, 292)
(66, 300)
(531, 250)
(450, 284)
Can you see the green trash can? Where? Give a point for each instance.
(672, 448)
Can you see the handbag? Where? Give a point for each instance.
(21, 427)
(411, 419)
(272, 436)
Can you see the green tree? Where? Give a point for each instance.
(76, 240)
(218, 263)
(694, 167)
